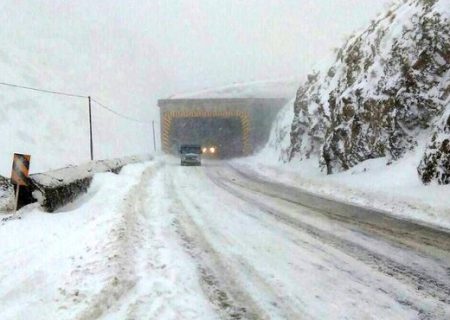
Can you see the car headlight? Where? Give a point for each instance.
(205, 150)
(212, 150)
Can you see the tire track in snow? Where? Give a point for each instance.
(168, 283)
(217, 282)
(123, 251)
(424, 241)
(423, 284)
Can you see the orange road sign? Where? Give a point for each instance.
(20, 168)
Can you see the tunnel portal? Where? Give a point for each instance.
(236, 127)
(222, 134)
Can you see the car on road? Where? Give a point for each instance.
(210, 151)
(191, 155)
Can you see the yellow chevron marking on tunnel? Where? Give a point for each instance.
(243, 117)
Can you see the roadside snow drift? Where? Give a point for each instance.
(79, 263)
(161, 241)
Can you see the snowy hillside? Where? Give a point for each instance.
(54, 129)
(47, 46)
(383, 95)
(50, 128)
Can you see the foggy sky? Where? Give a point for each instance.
(130, 53)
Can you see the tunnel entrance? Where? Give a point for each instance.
(239, 126)
(228, 130)
(225, 135)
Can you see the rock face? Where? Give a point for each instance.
(435, 165)
(388, 85)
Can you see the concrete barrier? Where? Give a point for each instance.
(57, 188)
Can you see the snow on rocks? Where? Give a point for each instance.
(384, 99)
(388, 85)
(435, 165)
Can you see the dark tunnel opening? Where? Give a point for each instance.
(222, 134)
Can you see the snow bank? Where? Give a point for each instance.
(61, 250)
(109, 249)
(72, 173)
(56, 188)
(395, 189)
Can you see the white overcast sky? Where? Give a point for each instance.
(130, 53)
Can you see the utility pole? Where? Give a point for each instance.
(90, 128)
(154, 138)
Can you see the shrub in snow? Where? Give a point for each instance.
(387, 85)
(435, 165)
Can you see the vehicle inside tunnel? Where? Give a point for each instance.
(220, 138)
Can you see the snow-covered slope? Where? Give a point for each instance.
(278, 144)
(54, 129)
(45, 46)
(384, 93)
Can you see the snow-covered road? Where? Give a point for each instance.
(160, 241)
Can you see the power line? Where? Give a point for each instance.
(76, 96)
(119, 114)
(43, 90)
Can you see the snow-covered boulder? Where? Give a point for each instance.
(386, 87)
(435, 165)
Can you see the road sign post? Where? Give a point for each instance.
(19, 174)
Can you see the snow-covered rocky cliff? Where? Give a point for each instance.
(387, 91)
